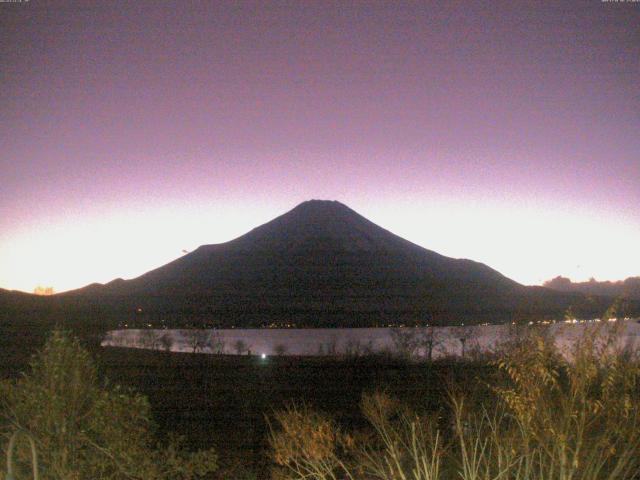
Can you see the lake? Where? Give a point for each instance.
(447, 341)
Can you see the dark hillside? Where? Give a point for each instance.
(322, 264)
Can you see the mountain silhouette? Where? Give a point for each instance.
(628, 288)
(323, 264)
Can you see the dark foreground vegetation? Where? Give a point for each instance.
(525, 414)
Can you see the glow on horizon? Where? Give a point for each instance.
(529, 245)
(505, 133)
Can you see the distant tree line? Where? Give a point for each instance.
(628, 288)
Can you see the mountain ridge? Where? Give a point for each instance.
(323, 264)
(627, 288)
(317, 226)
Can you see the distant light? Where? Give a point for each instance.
(263, 356)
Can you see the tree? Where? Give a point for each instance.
(86, 431)
(240, 346)
(430, 340)
(404, 341)
(356, 348)
(280, 349)
(166, 341)
(463, 334)
(150, 339)
(216, 342)
(197, 339)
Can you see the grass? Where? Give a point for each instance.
(222, 401)
(552, 416)
(84, 428)
(391, 419)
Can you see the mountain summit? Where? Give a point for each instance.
(313, 220)
(323, 225)
(323, 264)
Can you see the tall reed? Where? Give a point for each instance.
(553, 415)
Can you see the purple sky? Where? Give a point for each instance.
(505, 132)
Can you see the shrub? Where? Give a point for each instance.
(554, 416)
(240, 346)
(405, 341)
(405, 445)
(402, 445)
(83, 430)
(280, 349)
(575, 414)
(307, 444)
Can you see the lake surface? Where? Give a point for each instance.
(351, 341)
